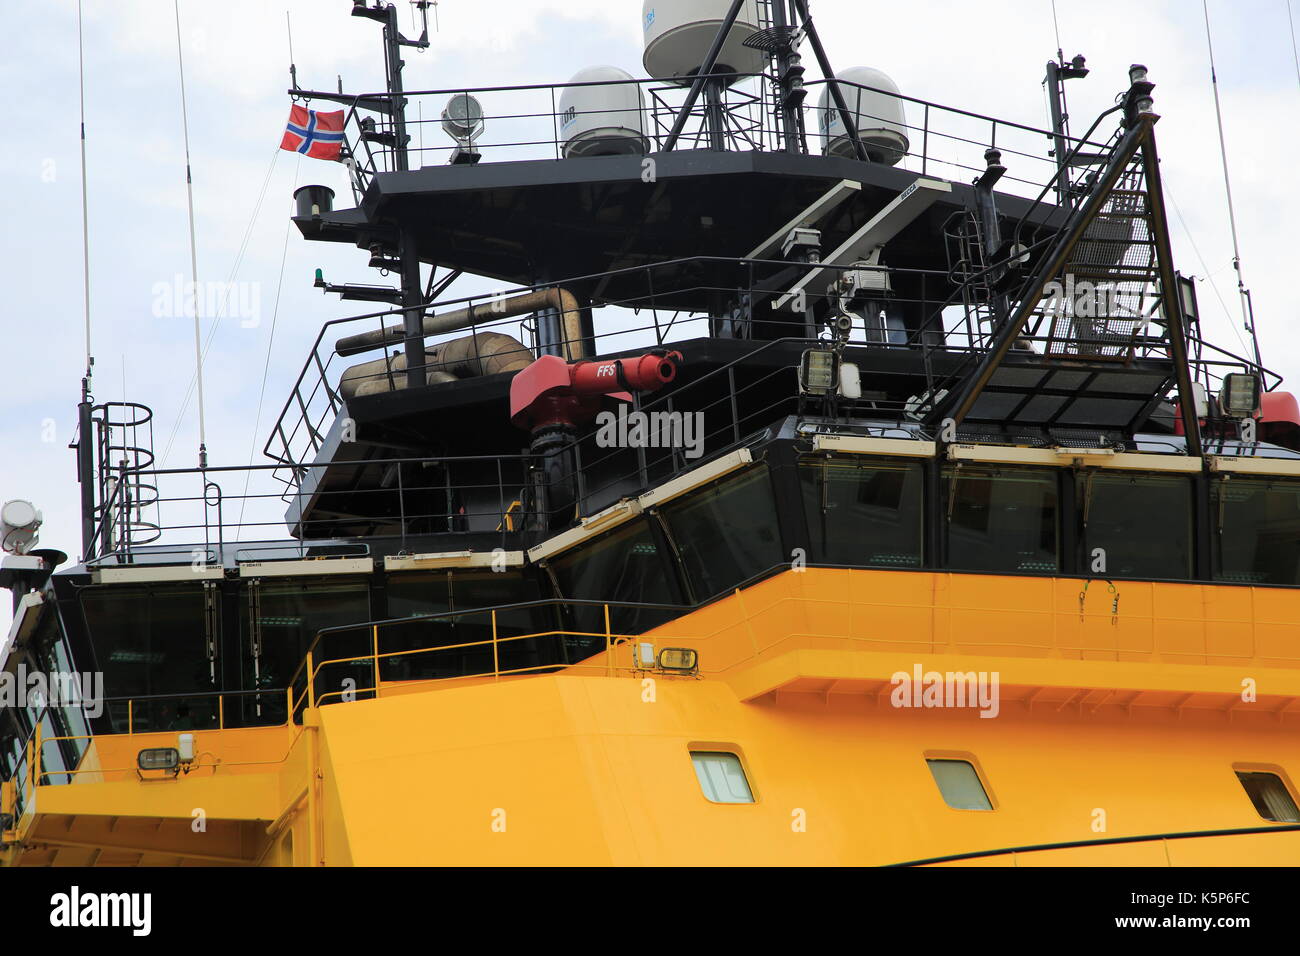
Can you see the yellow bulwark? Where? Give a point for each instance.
(1109, 727)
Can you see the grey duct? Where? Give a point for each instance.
(562, 300)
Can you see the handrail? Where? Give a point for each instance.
(1100, 841)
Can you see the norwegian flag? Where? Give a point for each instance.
(318, 135)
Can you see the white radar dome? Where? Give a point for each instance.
(882, 127)
(678, 34)
(602, 120)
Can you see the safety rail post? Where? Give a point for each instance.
(130, 716)
(401, 505)
(221, 711)
(609, 644)
(34, 760)
(496, 661)
(311, 680)
(925, 141)
(375, 642)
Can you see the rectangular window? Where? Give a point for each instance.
(289, 613)
(726, 534)
(864, 513)
(623, 565)
(1142, 524)
(444, 592)
(1003, 520)
(1257, 530)
(152, 641)
(1269, 794)
(721, 776)
(960, 784)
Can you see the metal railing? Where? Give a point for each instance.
(526, 122)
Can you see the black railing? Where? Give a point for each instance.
(526, 122)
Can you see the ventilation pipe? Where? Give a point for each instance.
(484, 353)
(562, 300)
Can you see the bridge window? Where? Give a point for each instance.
(721, 776)
(151, 641)
(279, 621)
(65, 685)
(727, 533)
(1003, 520)
(864, 513)
(1270, 795)
(623, 565)
(1258, 531)
(1140, 525)
(959, 783)
(463, 591)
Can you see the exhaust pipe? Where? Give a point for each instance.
(484, 353)
(562, 300)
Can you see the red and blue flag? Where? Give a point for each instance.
(318, 135)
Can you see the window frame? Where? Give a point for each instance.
(958, 756)
(730, 750)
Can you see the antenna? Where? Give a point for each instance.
(293, 68)
(85, 215)
(1242, 291)
(194, 256)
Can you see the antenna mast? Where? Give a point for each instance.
(1247, 310)
(194, 257)
(85, 446)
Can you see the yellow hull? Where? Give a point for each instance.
(1114, 721)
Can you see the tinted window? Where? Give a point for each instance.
(960, 784)
(624, 565)
(1272, 799)
(66, 687)
(289, 615)
(1142, 523)
(1002, 520)
(864, 513)
(1258, 531)
(443, 592)
(151, 641)
(726, 533)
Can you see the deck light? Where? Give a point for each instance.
(819, 371)
(158, 758)
(1239, 396)
(682, 659)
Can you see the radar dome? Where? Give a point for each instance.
(678, 34)
(604, 119)
(882, 127)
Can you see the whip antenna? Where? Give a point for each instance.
(194, 258)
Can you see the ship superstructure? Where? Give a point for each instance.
(795, 496)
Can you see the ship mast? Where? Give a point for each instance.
(411, 292)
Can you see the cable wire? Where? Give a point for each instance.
(266, 365)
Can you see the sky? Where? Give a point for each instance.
(986, 58)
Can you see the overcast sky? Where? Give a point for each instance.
(986, 57)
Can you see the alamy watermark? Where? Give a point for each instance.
(1082, 298)
(36, 689)
(979, 690)
(236, 300)
(634, 429)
